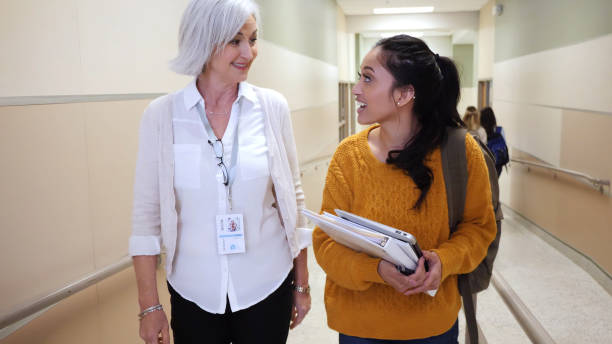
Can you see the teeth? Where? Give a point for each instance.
(360, 104)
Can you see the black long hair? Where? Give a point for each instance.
(436, 85)
(487, 121)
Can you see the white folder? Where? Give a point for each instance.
(366, 240)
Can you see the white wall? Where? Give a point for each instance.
(67, 47)
(574, 77)
(346, 49)
(486, 42)
(412, 22)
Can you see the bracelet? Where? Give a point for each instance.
(300, 289)
(157, 307)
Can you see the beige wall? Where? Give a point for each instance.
(68, 167)
(103, 313)
(66, 199)
(555, 106)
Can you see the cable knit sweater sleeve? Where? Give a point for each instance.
(467, 246)
(346, 267)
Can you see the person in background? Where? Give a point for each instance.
(496, 139)
(471, 118)
(392, 173)
(217, 183)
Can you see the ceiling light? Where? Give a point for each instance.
(400, 10)
(391, 34)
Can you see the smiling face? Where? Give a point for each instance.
(374, 91)
(234, 62)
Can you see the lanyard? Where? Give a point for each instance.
(231, 169)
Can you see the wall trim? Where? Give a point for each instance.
(66, 99)
(601, 276)
(609, 113)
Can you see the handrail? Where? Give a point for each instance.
(596, 183)
(56, 296)
(93, 278)
(531, 326)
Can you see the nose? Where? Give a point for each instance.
(246, 51)
(356, 89)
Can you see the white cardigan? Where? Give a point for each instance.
(154, 217)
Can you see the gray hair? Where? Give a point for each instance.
(207, 25)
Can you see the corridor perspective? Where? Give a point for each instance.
(76, 76)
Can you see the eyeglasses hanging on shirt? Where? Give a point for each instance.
(216, 144)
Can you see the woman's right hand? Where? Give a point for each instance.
(154, 328)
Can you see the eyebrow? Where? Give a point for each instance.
(370, 68)
(241, 34)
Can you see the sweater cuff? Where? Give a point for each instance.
(444, 263)
(141, 245)
(369, 270)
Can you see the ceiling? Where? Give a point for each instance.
(365, 7)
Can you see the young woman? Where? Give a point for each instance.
(496, 139)
(471, 118)
(392, 173)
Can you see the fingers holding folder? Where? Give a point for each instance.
(419, 282)
(426, 281)
(398, 249)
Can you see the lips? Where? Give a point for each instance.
(360, 106)
(241, 66)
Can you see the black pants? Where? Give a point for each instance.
(264, 322)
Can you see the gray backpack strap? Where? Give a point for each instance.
(454, 167)
(469, 308)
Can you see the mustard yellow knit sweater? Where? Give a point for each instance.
(358, 301)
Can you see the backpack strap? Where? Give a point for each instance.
(454, 168)
(469, 309)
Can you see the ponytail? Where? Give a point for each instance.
(436, 83)
(449, 91)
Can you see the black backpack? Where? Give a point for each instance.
(454, 167)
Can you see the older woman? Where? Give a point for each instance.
(217, 182)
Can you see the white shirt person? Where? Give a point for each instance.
(219, 149)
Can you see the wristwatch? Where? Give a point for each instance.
(301, 289)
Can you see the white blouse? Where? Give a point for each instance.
(200, 274)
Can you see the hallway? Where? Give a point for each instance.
(76, 75)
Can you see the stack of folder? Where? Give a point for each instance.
(371, 237)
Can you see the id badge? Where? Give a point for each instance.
(230, 234)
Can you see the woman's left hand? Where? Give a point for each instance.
(422, 280)
(301, 306)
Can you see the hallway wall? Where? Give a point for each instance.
(72, 92)
(551, 85)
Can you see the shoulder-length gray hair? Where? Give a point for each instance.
(207, 25)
